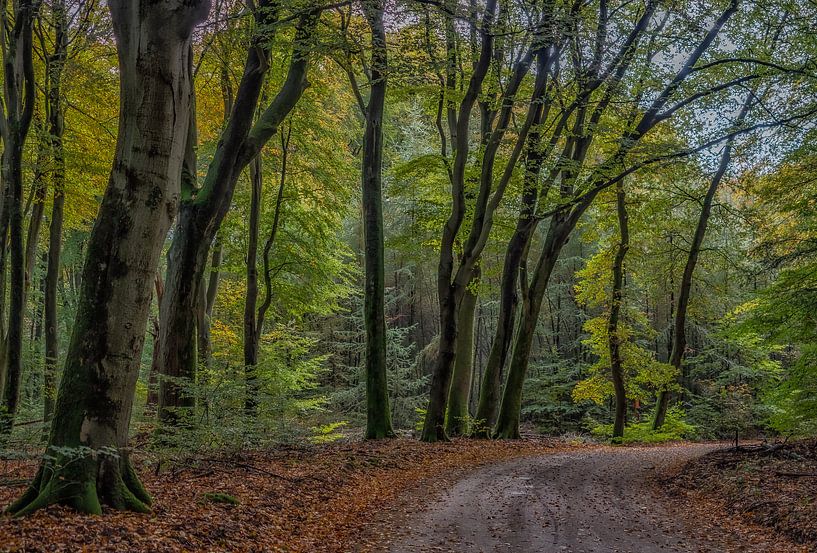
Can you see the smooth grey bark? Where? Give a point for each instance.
(88, 464)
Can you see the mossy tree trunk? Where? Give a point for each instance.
(88, 464)
(203, 209)
(459, 395)
(613, 337)
(378, 414)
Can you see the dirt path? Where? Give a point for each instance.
(586, 501)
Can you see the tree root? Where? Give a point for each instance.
(84, 485)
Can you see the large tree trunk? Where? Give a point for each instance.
(508, 298)
(613, 338)
(18, 87)
(378, 414)
(201, 214)
(459, 395)
(89, 464)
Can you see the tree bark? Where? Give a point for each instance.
(203, 210)
(378, 414)
(88, 464)
(613, 338)
(251, 330)
(459, 395)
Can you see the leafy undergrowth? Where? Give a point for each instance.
(771, 486)
(674, 429)
(316, 499)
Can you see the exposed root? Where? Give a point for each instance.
(85, 486)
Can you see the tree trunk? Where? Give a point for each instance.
(509, 283)
(176, 397)
(56, 116)
(679, 339)
(203, 210)
(378, 417)
(561, 226)
(613, 338)
(459, 395)
(37, 210)
(251, 331)
(88, 464)
(18, 87)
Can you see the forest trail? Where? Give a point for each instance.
(584, 501)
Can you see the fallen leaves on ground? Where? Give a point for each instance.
(768, 487)
(318, 499)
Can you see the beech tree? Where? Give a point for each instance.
(453, 278)
(578, 196)
(89, 464)
(378, 418)
(203, 208)
(16, 113)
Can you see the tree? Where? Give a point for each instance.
(16, 115)
(613, 337)
(576, 200)
(378, 420)
(203, 208)
(88, 463)
(679, 340)
(454, 278)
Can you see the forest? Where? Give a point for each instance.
(275, 243)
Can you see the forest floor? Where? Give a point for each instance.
(404, 496)
(774, 486)
(310, 499)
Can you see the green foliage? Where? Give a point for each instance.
(548, 402)
(675, 428)
(406, 386)
(327, 433)
(792, 404)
